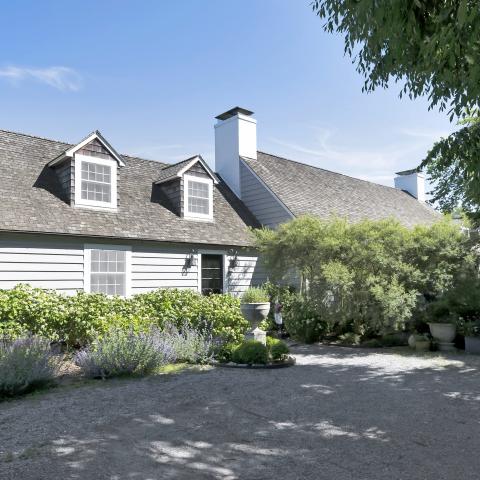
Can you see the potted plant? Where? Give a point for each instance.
(471, 331)
(443, 327)
(255, 306)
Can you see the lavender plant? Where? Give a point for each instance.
(26, 364)
(125, 353)
(191, 345)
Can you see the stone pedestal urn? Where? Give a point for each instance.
(443, 334)
(255, 313)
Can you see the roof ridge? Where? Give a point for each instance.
(135, 157)
(326, 170)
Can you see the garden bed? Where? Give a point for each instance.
(288, 362)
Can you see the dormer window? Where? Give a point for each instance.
(96, 179)
(188, 188)
(198, 197)
(88, 173)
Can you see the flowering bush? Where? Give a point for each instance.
(25, 365)
(122, 352)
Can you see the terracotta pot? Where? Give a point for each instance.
(255, 312)
(443, 334)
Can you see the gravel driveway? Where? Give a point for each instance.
(339, 414)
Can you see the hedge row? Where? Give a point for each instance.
(81, 318)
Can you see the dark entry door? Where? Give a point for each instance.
(212, 274)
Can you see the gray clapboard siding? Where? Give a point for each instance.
(161, 268)
(58, 263)
(41, 263)
(249, 271)
(260, 201)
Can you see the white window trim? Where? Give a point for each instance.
(87, 263)
(197, 216)
(112, 205)
(226, 287)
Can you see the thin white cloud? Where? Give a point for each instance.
(430, 135)
(61, 78)
(378, 164)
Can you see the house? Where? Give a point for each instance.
(84, 217)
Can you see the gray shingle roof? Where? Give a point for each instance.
(305, 189)
(30, 201)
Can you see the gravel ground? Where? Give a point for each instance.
(339, 414)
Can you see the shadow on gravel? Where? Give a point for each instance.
(339, 414)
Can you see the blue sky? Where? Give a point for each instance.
(151, 76)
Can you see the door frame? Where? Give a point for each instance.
(224, 269)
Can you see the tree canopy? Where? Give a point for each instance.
(432, 46)
(369, 273)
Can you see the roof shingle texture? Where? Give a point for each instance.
(31, 201)
(305, 189)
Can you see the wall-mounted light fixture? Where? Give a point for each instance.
(191, 260)
(233, 264)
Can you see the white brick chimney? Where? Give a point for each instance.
(412, 182)
(235, 137)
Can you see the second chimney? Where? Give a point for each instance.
(412, 182)
(235, 137)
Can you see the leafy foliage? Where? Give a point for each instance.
(453, 167)
(277, 350)
(26, 364)
(250, 352)
(81, 318)
(365, 277)
(434, 47)
(255, 295)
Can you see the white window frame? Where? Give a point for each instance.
(112, 205)
(87, 263)
(197, 216)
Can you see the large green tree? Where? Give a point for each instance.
(432, 47)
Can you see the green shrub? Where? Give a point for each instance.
(276, 348)
(250, 352)
(26, 364)
(304, 321)
(79, 319)
(224, 352)
(366, 277)
(255, 295)
(124, 353)
(349, 338)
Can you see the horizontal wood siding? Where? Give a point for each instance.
(41, 263)
(260, 201)
(249, 271)
(154, 268)
(58, 263)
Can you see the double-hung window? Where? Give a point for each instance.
(107, 269)
(95, 182)
(198, 201)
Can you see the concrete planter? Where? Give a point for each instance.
(443, 334)
(472, 345)
(255, 312)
